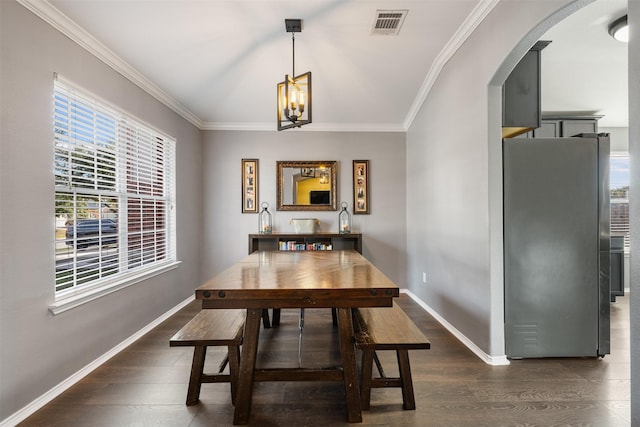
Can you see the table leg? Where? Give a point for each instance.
(247, 366)
(350, 370)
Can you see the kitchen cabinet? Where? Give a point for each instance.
(521, 94)
(566, 126)
(547, 129)
(575, 127)
(561, 126)
(617, 266)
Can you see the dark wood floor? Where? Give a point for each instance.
(146, 384)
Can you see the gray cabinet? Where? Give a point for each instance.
(559, 126)
(566, 126)
(548, 129)
(521, 93)
(575, 127)
(617, 266)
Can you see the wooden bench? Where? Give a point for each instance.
(386, 328)
(212, 327)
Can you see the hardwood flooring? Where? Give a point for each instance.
(146, 384)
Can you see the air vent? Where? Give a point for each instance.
(388, 22)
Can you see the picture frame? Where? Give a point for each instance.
(250, 186)
(361, 202)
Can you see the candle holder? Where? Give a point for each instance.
(344, 219)
(264, 219)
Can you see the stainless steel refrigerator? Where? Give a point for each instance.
(556, 246)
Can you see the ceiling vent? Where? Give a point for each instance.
(388, 22)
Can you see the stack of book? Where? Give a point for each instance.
(292, 245)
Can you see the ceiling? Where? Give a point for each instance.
(217, 62)
(584, 70)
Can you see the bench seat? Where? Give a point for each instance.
(386, 328)
(212, 327)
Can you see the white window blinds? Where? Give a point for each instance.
(115, 189)
(619, 180)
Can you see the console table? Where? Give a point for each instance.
(297, 241)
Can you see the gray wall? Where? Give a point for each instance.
(454, 173)
(384, 229)
(39, 350)
(634, 203)
(619, 138)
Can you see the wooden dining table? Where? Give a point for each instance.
(337, 279)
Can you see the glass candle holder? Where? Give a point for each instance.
(344, 219)
(264, 220)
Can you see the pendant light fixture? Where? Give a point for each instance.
(294, 93)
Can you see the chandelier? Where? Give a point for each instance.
(294, 93)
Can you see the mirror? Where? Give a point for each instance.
(307, 185)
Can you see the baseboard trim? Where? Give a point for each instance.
(41, 401)
(486, 358)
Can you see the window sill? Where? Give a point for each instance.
(78, 298)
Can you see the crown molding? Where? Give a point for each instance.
(474, 19)
(47, 12)
(58, 20)
(313, 127)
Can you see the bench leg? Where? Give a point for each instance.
(223, 364)
(378, 365)
(266, 323)
(366, 378)
(195, 380)
(404, 367)
(234, 368)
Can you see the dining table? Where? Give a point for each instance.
(339, 279)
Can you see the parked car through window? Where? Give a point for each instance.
(91, 232)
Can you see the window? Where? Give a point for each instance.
(619, 184)
(114, 195)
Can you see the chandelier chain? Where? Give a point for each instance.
(293, 49)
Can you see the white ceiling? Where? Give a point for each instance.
(584, 70)
(217, 62)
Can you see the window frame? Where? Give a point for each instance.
(135, 170)
(625, 156)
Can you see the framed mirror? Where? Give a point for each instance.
(307, 185)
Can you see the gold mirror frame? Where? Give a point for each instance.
(305, 170)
